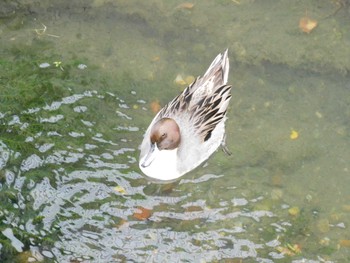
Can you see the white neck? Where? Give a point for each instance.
(164, 166)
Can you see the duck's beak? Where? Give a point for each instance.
(150, 156)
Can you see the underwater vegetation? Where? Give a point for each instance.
(36, 92)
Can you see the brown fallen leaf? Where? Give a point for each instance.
(155, 106)
(289, 249)
(193, 208)
(142, 213)
(185, 5)
(307, 24)
(344, 243)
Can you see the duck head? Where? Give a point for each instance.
(164, 136)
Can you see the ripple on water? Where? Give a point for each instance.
(16, 243)
(4, 155)
(80, 188)
(32, 162)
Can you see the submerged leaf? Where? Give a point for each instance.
(142, 213)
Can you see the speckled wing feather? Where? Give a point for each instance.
(178, 104)
(205, 101)
(205, 113)
(210, 111)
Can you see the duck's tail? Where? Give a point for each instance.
(215, 76)
(218, 69)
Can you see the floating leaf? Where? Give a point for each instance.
(185, 5)
(189, 79)
(346, 208)
(294, 211)
(57, 63)
(294, 135)
(142, 213)
(155, 106)
(120, 189)
(323, 225)
(179, 80)
(289, 249)
(193, 208)
(307, 24)
(344, 243)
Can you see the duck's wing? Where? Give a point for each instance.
(210, 111)
(210, 96)
(205, 100)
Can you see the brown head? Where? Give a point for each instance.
(165, 134)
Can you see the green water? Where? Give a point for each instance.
(77, 79)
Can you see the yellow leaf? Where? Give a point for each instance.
(294, 211)
(57, 63)
(120, 189)
(294, 135)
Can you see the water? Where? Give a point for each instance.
(77, 84)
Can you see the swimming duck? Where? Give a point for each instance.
(189, 128)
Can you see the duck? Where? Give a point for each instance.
(190, 128)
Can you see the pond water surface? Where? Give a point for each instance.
(81, 81)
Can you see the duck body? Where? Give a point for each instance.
(189, 128)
